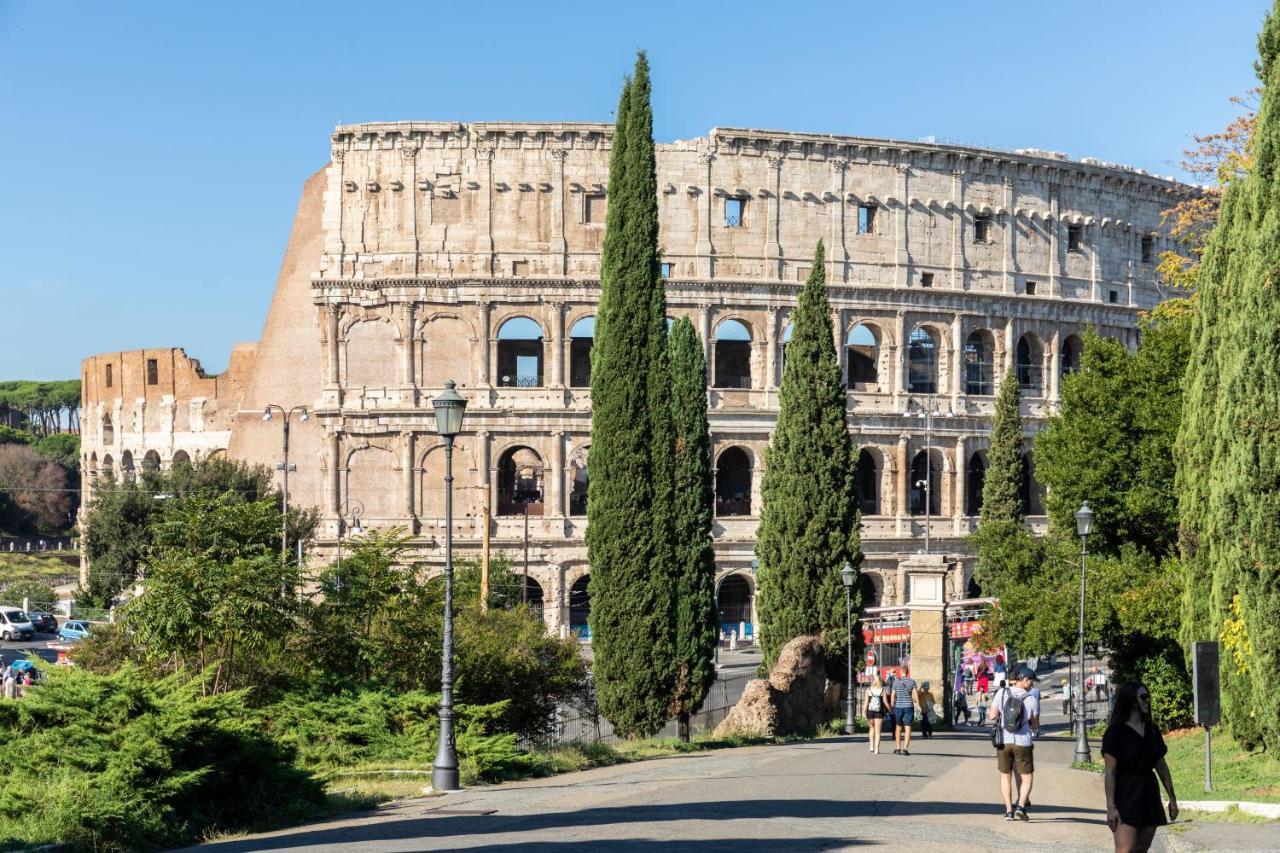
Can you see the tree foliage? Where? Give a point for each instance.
(697, 622)
(1007, 552)
(36, 492)
(809, 522)
(629, 508)
(41, 408)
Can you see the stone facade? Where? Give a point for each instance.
(432, 251)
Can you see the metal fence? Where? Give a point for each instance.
(575, 725)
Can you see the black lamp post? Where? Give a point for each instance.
(284, 467)
(449, 407)
(1084, 526)
(850, 576)
(356, 509)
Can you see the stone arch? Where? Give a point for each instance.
(108, 465)
(431, 486)
(862, 354)
(975, 479)
(151, 461)
(927, 468)
(923, 358)
(979, 363)
(93, 465)
(733, 481)
(108, 431)
(444, 352)
(579, 480)
(126, 465)
(369, 478)
(370, 352)
(579, 606)
(735, 603)
(582, 336)
(520, 352)
(180, 457)
(1072, 355)
(788, 329)
(521, 481)
(1030, 365)
(534, 597)
(732, 337)
(867, 481)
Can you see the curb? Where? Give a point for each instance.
(1267, 810)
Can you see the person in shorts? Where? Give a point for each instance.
(1016, 734)
(905, 697)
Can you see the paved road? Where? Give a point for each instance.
(9, 652)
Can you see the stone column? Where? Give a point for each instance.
(408, 333)
(335, 471)
(899, 359)
(901, 500)
(773, 337)
(485, 246)
(1010, 236)
(773, 228)
(959, 280)
(957, 361)
(1051, 225)
(1010, 347)
(1095, 262)
(410, 154)
(839, 257)
(959, 509)
(558, 503)
(1051, 366)
(926, 582)
(557, 344)
(704, 314)
(705, 249)
(558, 244)
(488, 476)
(406, 479)
(901, 251)
(331, 332)
(486, 311)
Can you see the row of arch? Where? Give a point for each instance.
(128, 467)
(734, 601)
(520, 357)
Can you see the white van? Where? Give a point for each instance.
(14, 625)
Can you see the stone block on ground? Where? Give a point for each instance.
(790, 701)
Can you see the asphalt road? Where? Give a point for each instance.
(9, 652)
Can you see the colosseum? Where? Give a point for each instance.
(428, 251)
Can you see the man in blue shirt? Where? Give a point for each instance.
(905, 697)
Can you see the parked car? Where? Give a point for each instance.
(74, 629)
(14, 625)
(44, 622)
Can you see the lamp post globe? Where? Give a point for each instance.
(1084, 526)
(449, 406)
(848, 576)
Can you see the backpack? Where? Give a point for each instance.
(1013, 714)
(873, 704)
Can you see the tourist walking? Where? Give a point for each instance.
(927, 712)
(905, 698)
(873, 710)
(1134, 751)
(10, 684)
(1016, 715)
(1066, 698)
(1099, 683)
(960, 703)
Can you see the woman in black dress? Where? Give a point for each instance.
(1134, 752)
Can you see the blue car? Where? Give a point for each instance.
(74, 629)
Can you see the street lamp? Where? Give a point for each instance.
(1084, 526)
(450, 407)
(926, 485)
(355, 512)
(850, 576)
(284, 467)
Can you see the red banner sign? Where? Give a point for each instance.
(965, 630)
(894, 634)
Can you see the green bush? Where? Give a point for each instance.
(1167, 681)
(37, 593)
(120, 762)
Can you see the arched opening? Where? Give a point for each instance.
(93, 465)
(151, 462)
(1030, 355)
(533, 596)
(922, 361)
(443, 353)
(733, 482)
(180, 458)
(979, 373)
(108, 431)
(431, 488)
(579, 480)
(733, 599)
(733, 355)
(1029, 489)
(1072, 355)
(126, 465)
(371, 352)
(108, 465)
(520, 482)
(369, 471)
(926, 480)
(862, 350)
(782, 361)
(867, 480)
(520, 353)
(580, 607)
(581, 337)
(975, 479)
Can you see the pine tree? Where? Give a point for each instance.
(696, 628)
(629, 513)
(809, 523)
(1001, 542)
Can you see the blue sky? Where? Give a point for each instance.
(153, 152)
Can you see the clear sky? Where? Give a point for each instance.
(152, 152)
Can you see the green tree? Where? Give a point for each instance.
(1231, 417)
(629, 531)
(809, 521)
(697, 629)
(1007, 553)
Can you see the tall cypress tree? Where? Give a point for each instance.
(809, 523)
(629, 531)
(1001, 542)
(696, 628)
(1230, 428)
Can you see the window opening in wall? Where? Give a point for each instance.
(786, 339)
(735, 210)
(802, 272)
(926, 279)
(519, 268)
(1072, 352)
(109, 376)
(867, 481)
(926, 470)
(578, 487)
(594, 209)
(520, 353)
(1030, 353)
(533, 596)
(108, 432)
(982, 228)
(151, 461)
(1148, 249)
(580, 608)
(668, 269)
(732, 355)
(520, 482)
(866, 219)
(153, 372)
(1113, 296)
(1031, 288)
(979, 371)
(1074, 235)
(975, 479)
(862, 351)
(922, 362)
(733, 599)
(581, 338)
(733, 483)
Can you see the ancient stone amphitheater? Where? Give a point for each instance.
(427, 251)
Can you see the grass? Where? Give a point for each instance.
(53, 569)
(1231, 815)
(1237, 775)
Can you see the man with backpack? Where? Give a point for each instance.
(1016, 715)
(905, 697)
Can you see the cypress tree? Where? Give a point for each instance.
(1231, 420)
(696, 628)
(809, 523)
(1001, 542)
(629, 532)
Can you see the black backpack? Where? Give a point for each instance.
(1010, 719)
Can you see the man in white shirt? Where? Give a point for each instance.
(1016, 713)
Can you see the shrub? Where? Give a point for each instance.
(1166, 678)
(37, 593)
